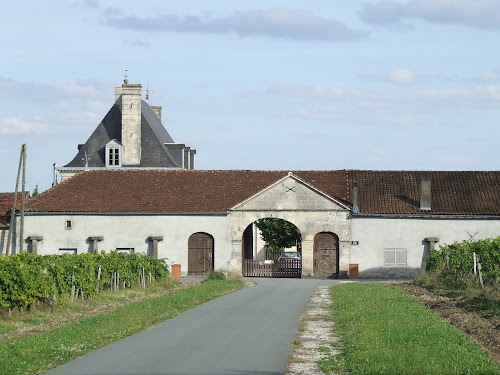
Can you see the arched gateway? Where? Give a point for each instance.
(323, 223)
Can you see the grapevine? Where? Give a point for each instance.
(455, 261)
(27, 278)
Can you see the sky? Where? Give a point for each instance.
(268, 85)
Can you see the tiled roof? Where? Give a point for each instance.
(217, 191)
(168, 190)
(453, 193)
(6, 200)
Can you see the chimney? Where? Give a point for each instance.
(118, 91)
(355, 202)
(425, 194)
(193, 153)
(157, 110)
(131, 123)
(187, 158)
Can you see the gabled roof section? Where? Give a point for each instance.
(149, 116)
(153, 139)
(452, 192)
(164, 191)
(291, 192)
(108, 129)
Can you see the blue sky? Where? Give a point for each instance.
(390, 85)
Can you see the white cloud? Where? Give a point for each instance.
(476, 13)
(279, 23)
(19, 125)
(318, 91)
(402, 76)
(54, 92)
(67, 106)
(396, 106)
(74, 88)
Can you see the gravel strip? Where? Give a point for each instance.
(314, 337)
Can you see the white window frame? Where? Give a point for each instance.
(395, 257)
(68, 224)
(114, 154)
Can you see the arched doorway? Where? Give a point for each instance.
(326, 256)
(200, 254)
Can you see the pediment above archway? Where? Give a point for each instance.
(290, 193)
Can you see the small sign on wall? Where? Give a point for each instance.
(354, 242)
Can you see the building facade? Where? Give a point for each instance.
(384, 222)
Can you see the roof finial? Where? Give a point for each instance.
(125, 81)
(147, 94)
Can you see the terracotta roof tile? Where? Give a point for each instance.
(6, 200)
(453, 193)
(217, 191)
(167, 190)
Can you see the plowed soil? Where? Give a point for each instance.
(483, 329)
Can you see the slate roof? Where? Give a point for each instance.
(153, 138)
(217, 191)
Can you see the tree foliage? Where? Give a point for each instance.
(278, 233)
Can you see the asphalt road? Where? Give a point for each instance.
(247, 332)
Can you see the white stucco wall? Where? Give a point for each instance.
(375, 234)
(132, 231)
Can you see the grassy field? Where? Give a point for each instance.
(386, 331)
(35, 353)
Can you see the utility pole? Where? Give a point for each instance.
(23, 197)
(22, 164)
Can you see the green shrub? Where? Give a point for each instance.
(216, 276)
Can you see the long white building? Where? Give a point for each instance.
(384, 222)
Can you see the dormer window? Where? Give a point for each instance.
(113, 156)
(114, 151)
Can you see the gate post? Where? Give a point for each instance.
(307, 258)
(237, 258)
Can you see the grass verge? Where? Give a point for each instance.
(386, 331)
(36, 353)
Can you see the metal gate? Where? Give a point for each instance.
(326, 256)
(259, 268)
(200, 254)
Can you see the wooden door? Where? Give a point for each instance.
(326, 256)
(200, 254)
